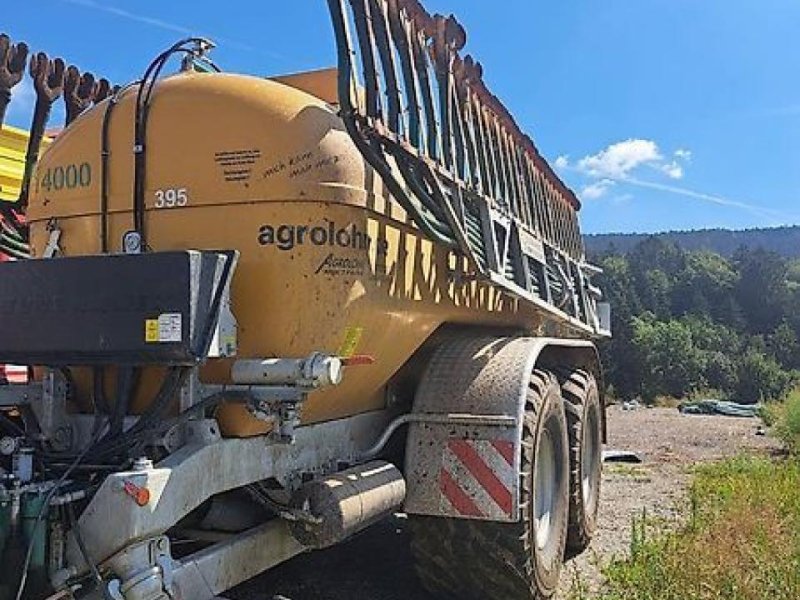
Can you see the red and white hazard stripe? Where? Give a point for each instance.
(478, 478)
(13, 374)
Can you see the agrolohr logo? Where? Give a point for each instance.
(286, 237)
(338, 265)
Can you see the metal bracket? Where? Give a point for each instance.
(50, 410)
(200, 470)
(145, 571)
(52, 249)
(14, 395)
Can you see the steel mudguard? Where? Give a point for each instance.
(470, 467)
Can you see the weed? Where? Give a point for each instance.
(636, 472)
(740, 540)
(787, 422)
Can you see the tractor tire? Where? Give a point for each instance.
(483, 560)
(584, 420)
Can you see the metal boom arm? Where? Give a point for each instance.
(454, 157)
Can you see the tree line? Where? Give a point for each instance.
(783, 240)
(694, 322)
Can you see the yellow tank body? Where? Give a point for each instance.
(328, 261)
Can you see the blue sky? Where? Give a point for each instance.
(660, 114)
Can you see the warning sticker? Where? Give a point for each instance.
(167, 328)
(352, 336)
(151, 331)
(170, 327)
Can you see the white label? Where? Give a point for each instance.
(531, 246)
(170, 327)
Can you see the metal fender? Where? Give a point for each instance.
(464, 460)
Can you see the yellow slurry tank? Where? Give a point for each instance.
(260, 315)
(328, 262)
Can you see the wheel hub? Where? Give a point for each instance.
(546, 485)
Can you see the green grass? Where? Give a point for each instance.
(785, 419)
(740, 541)
(635, 472)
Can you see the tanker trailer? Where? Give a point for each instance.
(261, 315)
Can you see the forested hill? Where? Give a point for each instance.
(694, 322)
(781, 240)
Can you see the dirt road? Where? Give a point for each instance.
(377, 564)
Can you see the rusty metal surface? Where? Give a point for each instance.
(48, 81)
(12, 68)
(80, 91)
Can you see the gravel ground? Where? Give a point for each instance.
(377, 565)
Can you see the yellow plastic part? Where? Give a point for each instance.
(328, 261)
(13, 145)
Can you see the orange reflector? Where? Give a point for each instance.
(357, 360)
(140, 495)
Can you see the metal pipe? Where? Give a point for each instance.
(48, 80)
(347, 502)
(214, 570)
(444, 419)
(316, 370)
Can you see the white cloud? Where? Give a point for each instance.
(597, 190)
(673, 170)
(562, 162)
(683, 154)
(618, 160)
(615, 168)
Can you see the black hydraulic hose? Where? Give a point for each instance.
(206, 403)
(13, 241)
(140, 131)
(14, 253)
(140, 149)
(41, 116)
(116, 441)
(127, 378)
(76, 531)
(216, 301)
(142, 429)
(98, 390)
(408, 163)
(105, 154)
(13, 244)
(11, 427)
(105, 157)
(349, 118)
